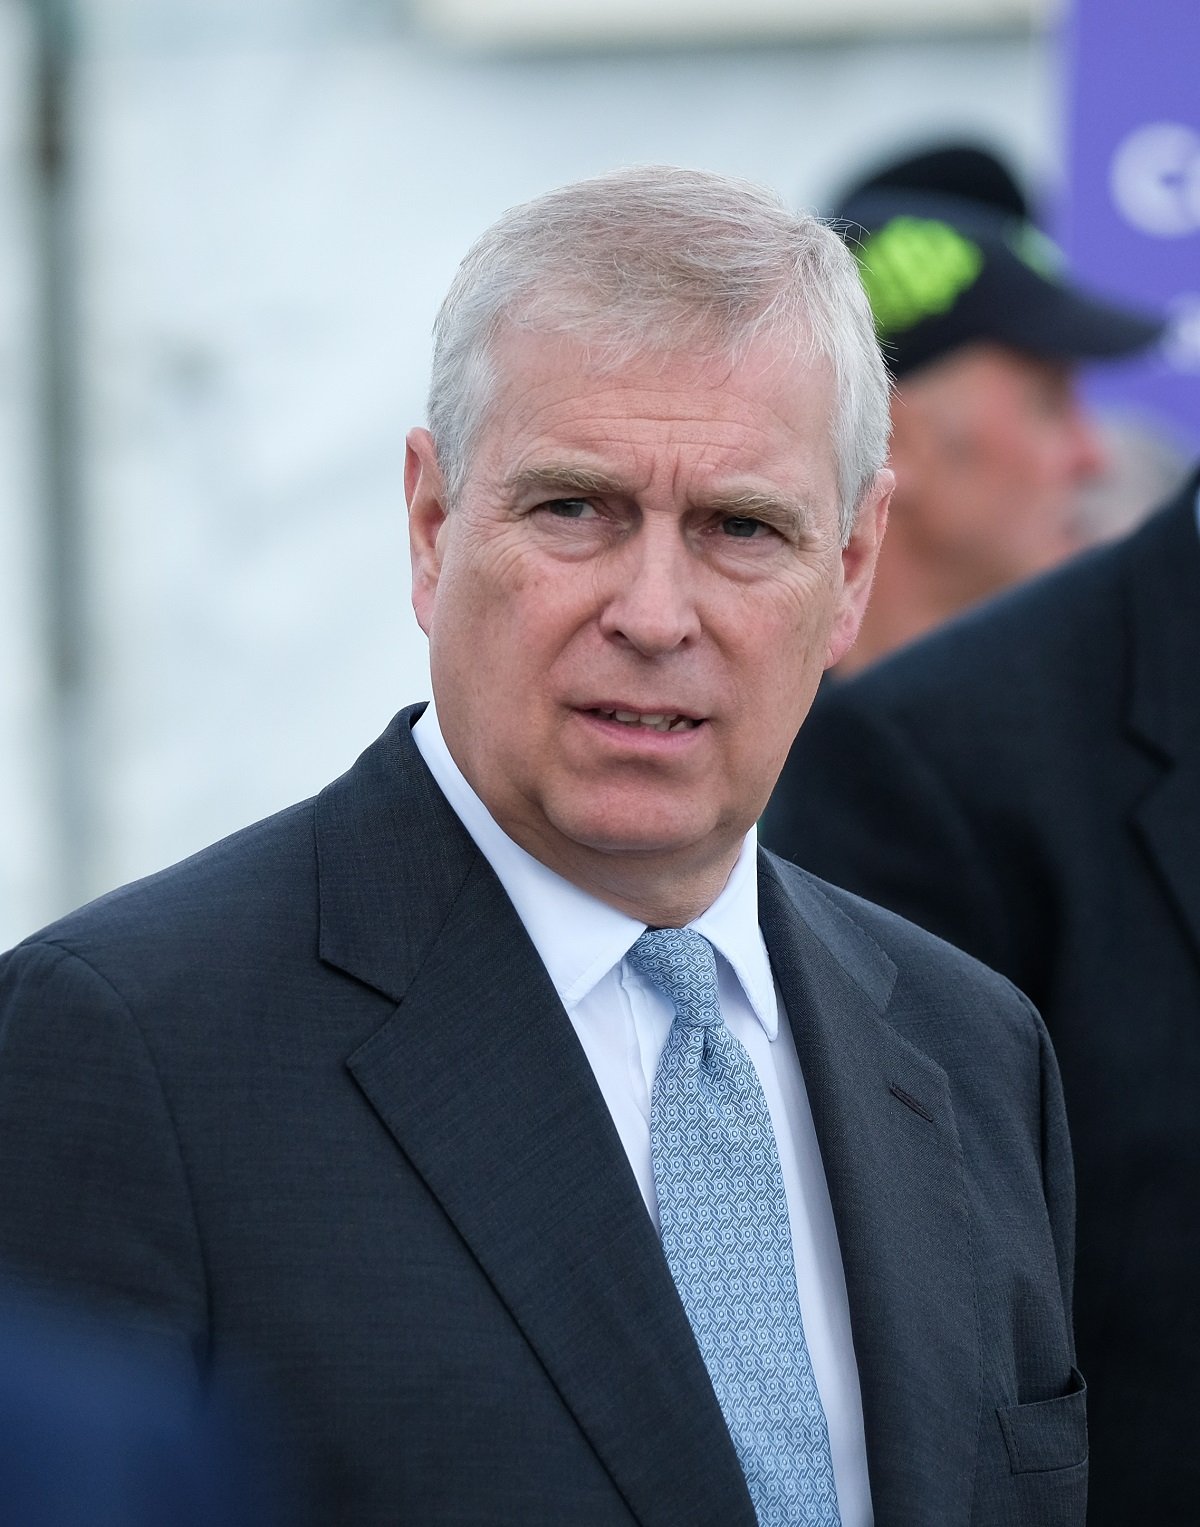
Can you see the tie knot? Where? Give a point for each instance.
(681, 963)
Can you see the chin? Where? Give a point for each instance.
(648, 831)
(635, 839)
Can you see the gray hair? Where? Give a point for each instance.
(658, 258)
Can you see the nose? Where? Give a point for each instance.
(651, 603)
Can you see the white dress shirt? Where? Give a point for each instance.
(622, 1021)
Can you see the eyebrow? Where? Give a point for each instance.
(770, 507)
(565, 479)
(562, 479)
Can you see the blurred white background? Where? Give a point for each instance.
(267, 200)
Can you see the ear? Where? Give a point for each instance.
(425, 490)
(859, 556)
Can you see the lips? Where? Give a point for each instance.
(654, 721)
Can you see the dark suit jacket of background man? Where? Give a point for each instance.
(1027, 784)
(309, 1104)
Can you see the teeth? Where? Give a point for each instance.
(656, 722)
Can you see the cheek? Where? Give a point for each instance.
(479, 588)
(1019, 443)
(468, 649)
(506, 631)
(780, 669)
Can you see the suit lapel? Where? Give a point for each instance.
(480, 1079)
(1164, 712)
(889, 1143)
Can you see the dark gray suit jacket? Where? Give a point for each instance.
(307, 1104)
(1027, 785)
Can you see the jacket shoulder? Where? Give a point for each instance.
(242, 889)
(922, 960)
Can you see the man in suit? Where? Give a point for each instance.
(1027, 785)
(558, 1158)
(984, 331)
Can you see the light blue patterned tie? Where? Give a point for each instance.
(727, 1239)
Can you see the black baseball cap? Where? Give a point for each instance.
(950, 255)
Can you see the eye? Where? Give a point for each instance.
(1052, 394)
(741, 527)
(570, 508)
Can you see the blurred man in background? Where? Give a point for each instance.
(1026, 783)
(991, 444)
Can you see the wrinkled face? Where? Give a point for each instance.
(991, 449)
(631, 605)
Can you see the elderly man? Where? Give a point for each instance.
(557, 1157)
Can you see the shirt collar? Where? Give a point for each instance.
(580, 938)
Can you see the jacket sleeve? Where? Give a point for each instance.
(95, 1209)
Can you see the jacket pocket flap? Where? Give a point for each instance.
(1050, 1434)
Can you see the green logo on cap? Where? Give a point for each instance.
(915, 267)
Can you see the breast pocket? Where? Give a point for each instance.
(1050, 1434)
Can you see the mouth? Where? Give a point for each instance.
(654, 721)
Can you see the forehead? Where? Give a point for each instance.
(767, 415)
(985, 372)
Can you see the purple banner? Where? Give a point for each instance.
(1131, 218)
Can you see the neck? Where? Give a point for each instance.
(665, 904)
(661, 890)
